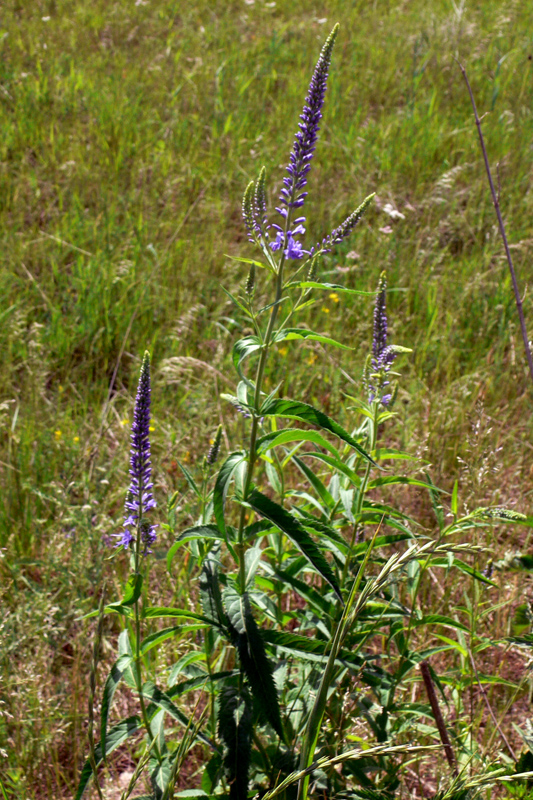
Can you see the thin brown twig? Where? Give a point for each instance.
(496, 202)
(491, 712)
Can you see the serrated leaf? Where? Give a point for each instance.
(235, 728)
(222, 483)
(254, 662)
(293, 409)
(159, 776)
(292, 528)
(118, 734)
(299, 334)
(116, 674)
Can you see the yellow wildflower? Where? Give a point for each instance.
(58, 435)
(334, 296)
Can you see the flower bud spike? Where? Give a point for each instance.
(214, 450)
(250, 283)
(260, 208)
(344, 230)
(248, 211)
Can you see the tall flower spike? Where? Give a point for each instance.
(305, 140)
(139, 499)
(382, 354)
(260, 208)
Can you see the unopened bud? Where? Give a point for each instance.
(215, 447)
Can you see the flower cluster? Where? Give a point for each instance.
(139, 499)
(383, 354)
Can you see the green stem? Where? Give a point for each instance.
(362, 490)
(137, 670)
(316, 716)
(252, 456)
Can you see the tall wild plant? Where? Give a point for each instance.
(307, 628)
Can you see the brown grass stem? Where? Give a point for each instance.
(496, 201)
(439, 719)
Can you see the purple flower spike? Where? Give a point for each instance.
(139, 499)
(292, 195)
(382, 354)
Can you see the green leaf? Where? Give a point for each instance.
(296, 533)
(393, 480)
(235, 728)
(198, 532)
(160, 776)
(331, 287)
(190, 480)
(248, 261)
(297, 334)
(241, 350)
(222, 483)
(439, 619)
(116, 674)
(256, 666)
(115, 737)
(293, 409)
(276, 438)
(315, 482)
(316, 648)
(155, 612)
(158, 637)
(132, 592)
(162, 700)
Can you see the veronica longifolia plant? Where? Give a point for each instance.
(291, 587)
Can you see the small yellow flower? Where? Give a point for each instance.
(334, 296)
(60, 388)
(325, 309)
(283, 351)
(151, 429)
(76, 439)
(124, 422)
(187, 457)
(312, 358)
(58, 435)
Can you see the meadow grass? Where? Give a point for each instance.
(129, 133)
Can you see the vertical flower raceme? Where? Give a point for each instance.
(292, 194)
(139, 499)
(382, 354)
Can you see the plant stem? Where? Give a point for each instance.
(362, 490)
(501, 226)
(437, 714)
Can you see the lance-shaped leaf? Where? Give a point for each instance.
(201, 532)
(113, 679)
(293, 409)
(115, 737)
(222, 483)
(298, 334)
(235, 728)
(132, 592)
(162, 700)
(242, 349)
(275, 438)
(330, 287)
(255, 664)
(296, 532)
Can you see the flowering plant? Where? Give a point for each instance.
(297, 584)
